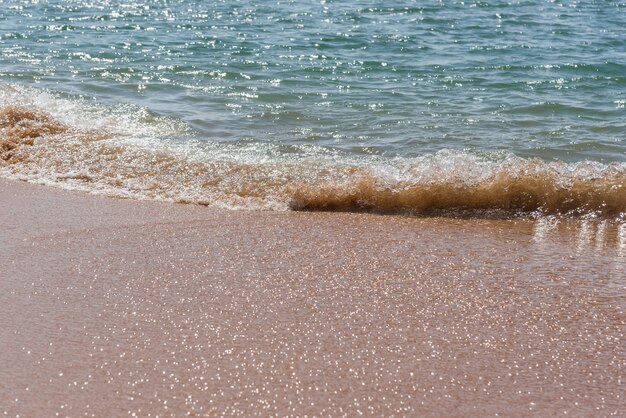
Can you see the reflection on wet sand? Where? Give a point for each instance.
(114, 307)
(592, 238)
(621, 241)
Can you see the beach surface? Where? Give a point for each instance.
(114, 307)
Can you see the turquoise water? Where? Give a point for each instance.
(398, 85)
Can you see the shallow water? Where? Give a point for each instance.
(536, 78)
(292, 105)
(122, 153)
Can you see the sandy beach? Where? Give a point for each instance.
(115, 307)
(312, 209)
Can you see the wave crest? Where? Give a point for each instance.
(538, 191)
(36, 146)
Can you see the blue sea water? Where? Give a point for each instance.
(304, 93)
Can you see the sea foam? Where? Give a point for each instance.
(129, 152)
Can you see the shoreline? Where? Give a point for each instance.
(47, 148)
(111, 307)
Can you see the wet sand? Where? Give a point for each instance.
(118, 307)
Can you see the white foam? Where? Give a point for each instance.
(146, 156)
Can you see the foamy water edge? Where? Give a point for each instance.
(128, 152)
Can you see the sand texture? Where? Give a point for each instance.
(119, 307)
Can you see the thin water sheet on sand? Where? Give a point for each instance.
(116, 307)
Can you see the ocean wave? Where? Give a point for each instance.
(131, 153)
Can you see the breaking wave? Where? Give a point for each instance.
(129, 152)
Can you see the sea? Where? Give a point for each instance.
(449, 107)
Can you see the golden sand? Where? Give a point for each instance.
(117, 307)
